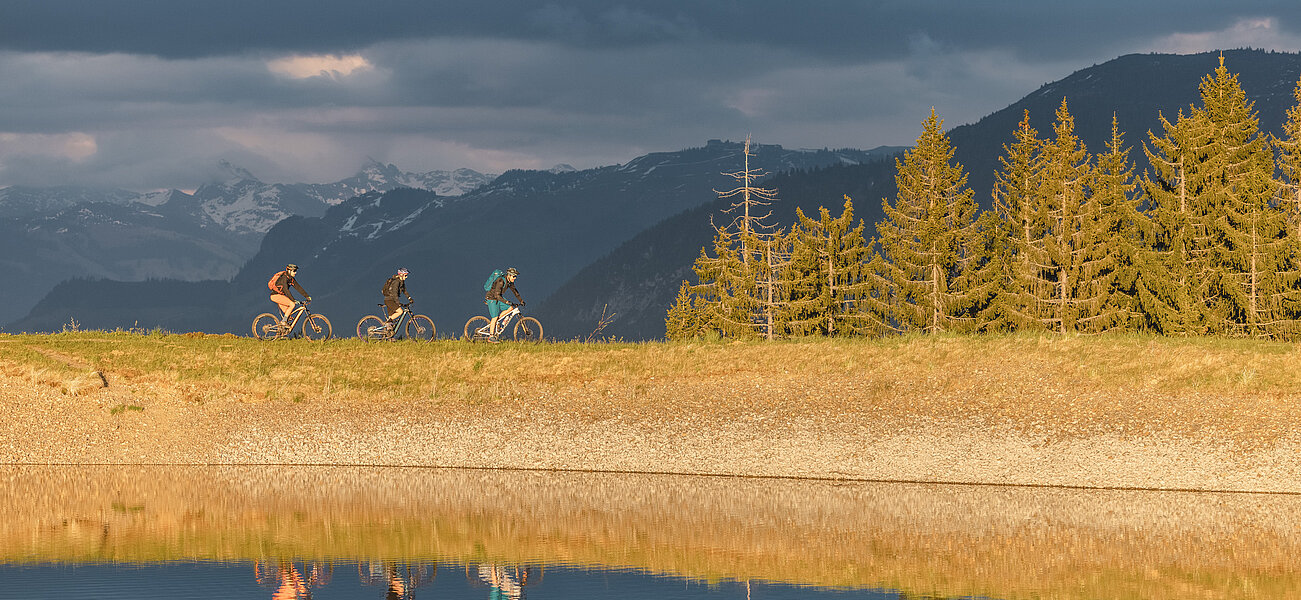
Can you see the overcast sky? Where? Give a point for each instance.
(152, 94)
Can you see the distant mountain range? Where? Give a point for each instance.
(617, 239)
(56, 233)
(549, 224)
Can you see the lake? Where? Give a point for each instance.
(383, 532)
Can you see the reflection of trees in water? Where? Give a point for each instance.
(504, 581)
(399, 580)
(292, 581)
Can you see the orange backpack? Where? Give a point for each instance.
(272, 282)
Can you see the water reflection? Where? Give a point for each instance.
(495, 534)
(399, 580)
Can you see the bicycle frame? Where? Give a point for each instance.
(504, 319)
(300, 308)
(402, 319)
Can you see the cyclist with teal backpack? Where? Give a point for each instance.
(495, 296)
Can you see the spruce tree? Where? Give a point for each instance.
(1223, 236)
(1015, 223)
(1173, 193)
(1248, 263)
(929, 240)
(725, 295)
(1061, 267)
(1289, 164)
(826, 276)
(1123, 230)
(683, 319)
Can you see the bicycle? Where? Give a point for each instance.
(267, 326)
(413, 326)
(527, 329)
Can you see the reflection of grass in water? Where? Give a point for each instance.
(948, 540)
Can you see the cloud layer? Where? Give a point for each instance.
(148, 94)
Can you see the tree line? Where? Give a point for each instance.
(1206, 241)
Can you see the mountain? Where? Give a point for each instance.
(549, 224)
(57, 233)
(1137, 89)
(25, 201)
(622, 238)
(639, 280)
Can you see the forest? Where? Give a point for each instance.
(1205, 241)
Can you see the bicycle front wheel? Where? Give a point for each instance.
(473, 325)
(370, 328)
(420, 328)
(266, 326)
(317, 327)
(528, 329)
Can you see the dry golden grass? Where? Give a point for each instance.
(1240, 390)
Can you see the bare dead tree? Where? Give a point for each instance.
(751, 200)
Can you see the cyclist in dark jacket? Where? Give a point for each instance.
(495, 298)
(394, 287)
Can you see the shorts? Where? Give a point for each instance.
(496, 307)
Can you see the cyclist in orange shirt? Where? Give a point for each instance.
(280, 284)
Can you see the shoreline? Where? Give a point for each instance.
(917, 412)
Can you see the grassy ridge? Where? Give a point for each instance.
(205, 366)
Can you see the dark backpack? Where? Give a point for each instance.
(487, 285)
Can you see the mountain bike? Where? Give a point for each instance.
(267, 326)
(527, 329)
(372, 328)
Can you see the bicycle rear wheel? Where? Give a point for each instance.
(473, 325)
(266, 326)
(317, 327)
(528, 329)
(420, 328)
(371, 328)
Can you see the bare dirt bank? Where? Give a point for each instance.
(1130, 413)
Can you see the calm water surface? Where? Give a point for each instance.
(354, 532)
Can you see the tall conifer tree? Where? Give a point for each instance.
(1173, 193)
(1123, 230)
(826, 277)
(725, 296)
(1061, 268)
(1248, 260)
(1016, 224)
(930, 241)
(1224, 238)
(1289, 164)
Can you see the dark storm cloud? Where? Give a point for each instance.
(149, 93)
(845, 29)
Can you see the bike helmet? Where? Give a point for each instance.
(402, 272)
(512, 271)
(291, 267)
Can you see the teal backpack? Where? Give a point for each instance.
(487, 285)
